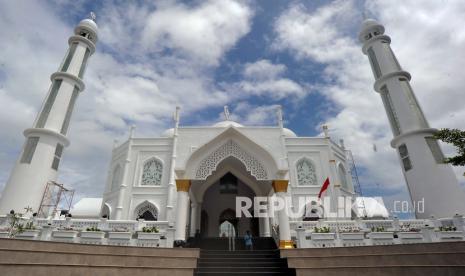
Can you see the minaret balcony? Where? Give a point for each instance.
(381, 81)
(64, 75)
(88, 42)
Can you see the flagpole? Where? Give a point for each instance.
(333, 173)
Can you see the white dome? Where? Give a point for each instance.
(368, 26)
(370, 207)
(227, 124)
(88, 25)
(87, 208)
(168, 133)
(289, 133)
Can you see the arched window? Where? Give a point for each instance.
(152, 172)
(147, 211)
(343, 177)
(116, 178)
(312, 211)
(106, 211)
(306, 174)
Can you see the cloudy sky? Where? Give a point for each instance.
(250, 55)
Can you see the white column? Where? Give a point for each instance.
(46, 140)
(280, 188)
(182, 205)
(122, 190)
(432, 183)
(193, 224)
(266, 227)
(198, 216)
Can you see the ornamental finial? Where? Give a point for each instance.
(92, 16)
(226, 113)
(279, 115)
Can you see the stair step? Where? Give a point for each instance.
(265, 259)
(242, 269)
(289, 273)
(242, 264)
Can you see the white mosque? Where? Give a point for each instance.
(191, 175)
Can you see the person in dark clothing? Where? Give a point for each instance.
(248, 240)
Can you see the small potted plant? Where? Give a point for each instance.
(18, 229)
(322, 233)
(149, 233)
(449, 233)
(92, 233)
(149, 236)
(380, 235)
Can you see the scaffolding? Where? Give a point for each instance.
(355, 181)
(56, 197)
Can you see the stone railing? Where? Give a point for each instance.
(342, 233)
(94, 231)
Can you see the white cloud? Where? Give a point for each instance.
(204, 32)
(201, 33)
(427, 39)
(254, 115)
(266, 79)
(263, 69)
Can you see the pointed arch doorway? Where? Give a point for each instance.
(219, 202)
(228, 223)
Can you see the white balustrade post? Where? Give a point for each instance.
(428, 233)
(170, 236)
(395, 223)
(103, 224)
(458, 222)
(301, 237)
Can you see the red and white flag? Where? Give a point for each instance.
(324, 187)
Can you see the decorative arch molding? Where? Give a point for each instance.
(274, 167)
(230, 148)
(306, 172)
(146, 206)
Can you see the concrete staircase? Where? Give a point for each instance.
(446, 258)
(37, 258)
(216, 259)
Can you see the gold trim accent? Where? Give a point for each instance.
(183, 185)
(283, 244)
(280, 185)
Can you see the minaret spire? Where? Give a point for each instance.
(432, 184)
(46, 140)
(227, 116)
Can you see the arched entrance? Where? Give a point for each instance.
(219, 200)
(146, 211)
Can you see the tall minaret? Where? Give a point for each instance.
(431, 183)
(45, 141)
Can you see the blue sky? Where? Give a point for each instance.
(249, 55)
